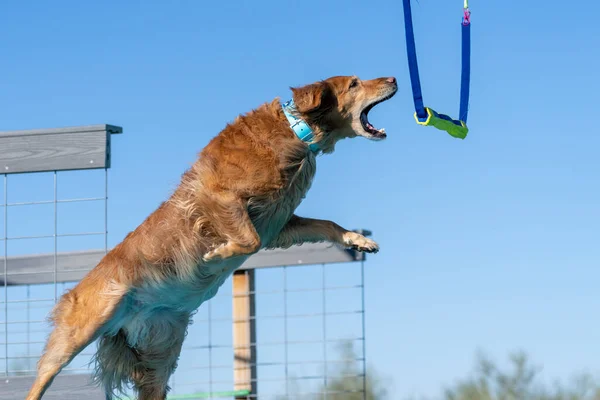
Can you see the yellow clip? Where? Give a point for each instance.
(428, 120)
(454, 130)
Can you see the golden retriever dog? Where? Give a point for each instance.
(237, 198)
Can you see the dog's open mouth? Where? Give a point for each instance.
(373, 133)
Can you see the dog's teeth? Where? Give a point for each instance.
(382, 130)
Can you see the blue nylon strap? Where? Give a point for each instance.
(413, 66)
(465, 72)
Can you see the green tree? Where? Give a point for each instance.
(519, 382)
(345, 382)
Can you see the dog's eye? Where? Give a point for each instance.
(353, 84)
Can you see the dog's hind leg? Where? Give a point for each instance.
(158, 359)
(153, 381)
(78, 318)
(153, 386)
(116, 364)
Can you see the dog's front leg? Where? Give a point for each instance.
(307, 230)
(232, 222)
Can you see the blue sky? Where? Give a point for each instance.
(487, 243)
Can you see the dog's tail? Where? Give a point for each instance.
(116, 364)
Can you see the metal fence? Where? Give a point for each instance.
(288, 324)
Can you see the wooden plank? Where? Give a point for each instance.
(39, 268)
(64, 387)
(306, 254)
(244, 333)
(72, 266)
(113, 129)
(58, 149)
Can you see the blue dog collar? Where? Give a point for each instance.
(300, 128)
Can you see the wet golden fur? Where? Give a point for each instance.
(238, 197)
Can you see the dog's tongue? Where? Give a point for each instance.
(382, 130)
(366, 122)
(370, 126)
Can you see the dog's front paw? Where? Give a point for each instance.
(356, 241)
(214, 255)
(211, 256)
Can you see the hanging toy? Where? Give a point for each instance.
(425, 115)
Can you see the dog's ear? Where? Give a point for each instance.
(314, 98)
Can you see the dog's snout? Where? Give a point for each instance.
(391, 79)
